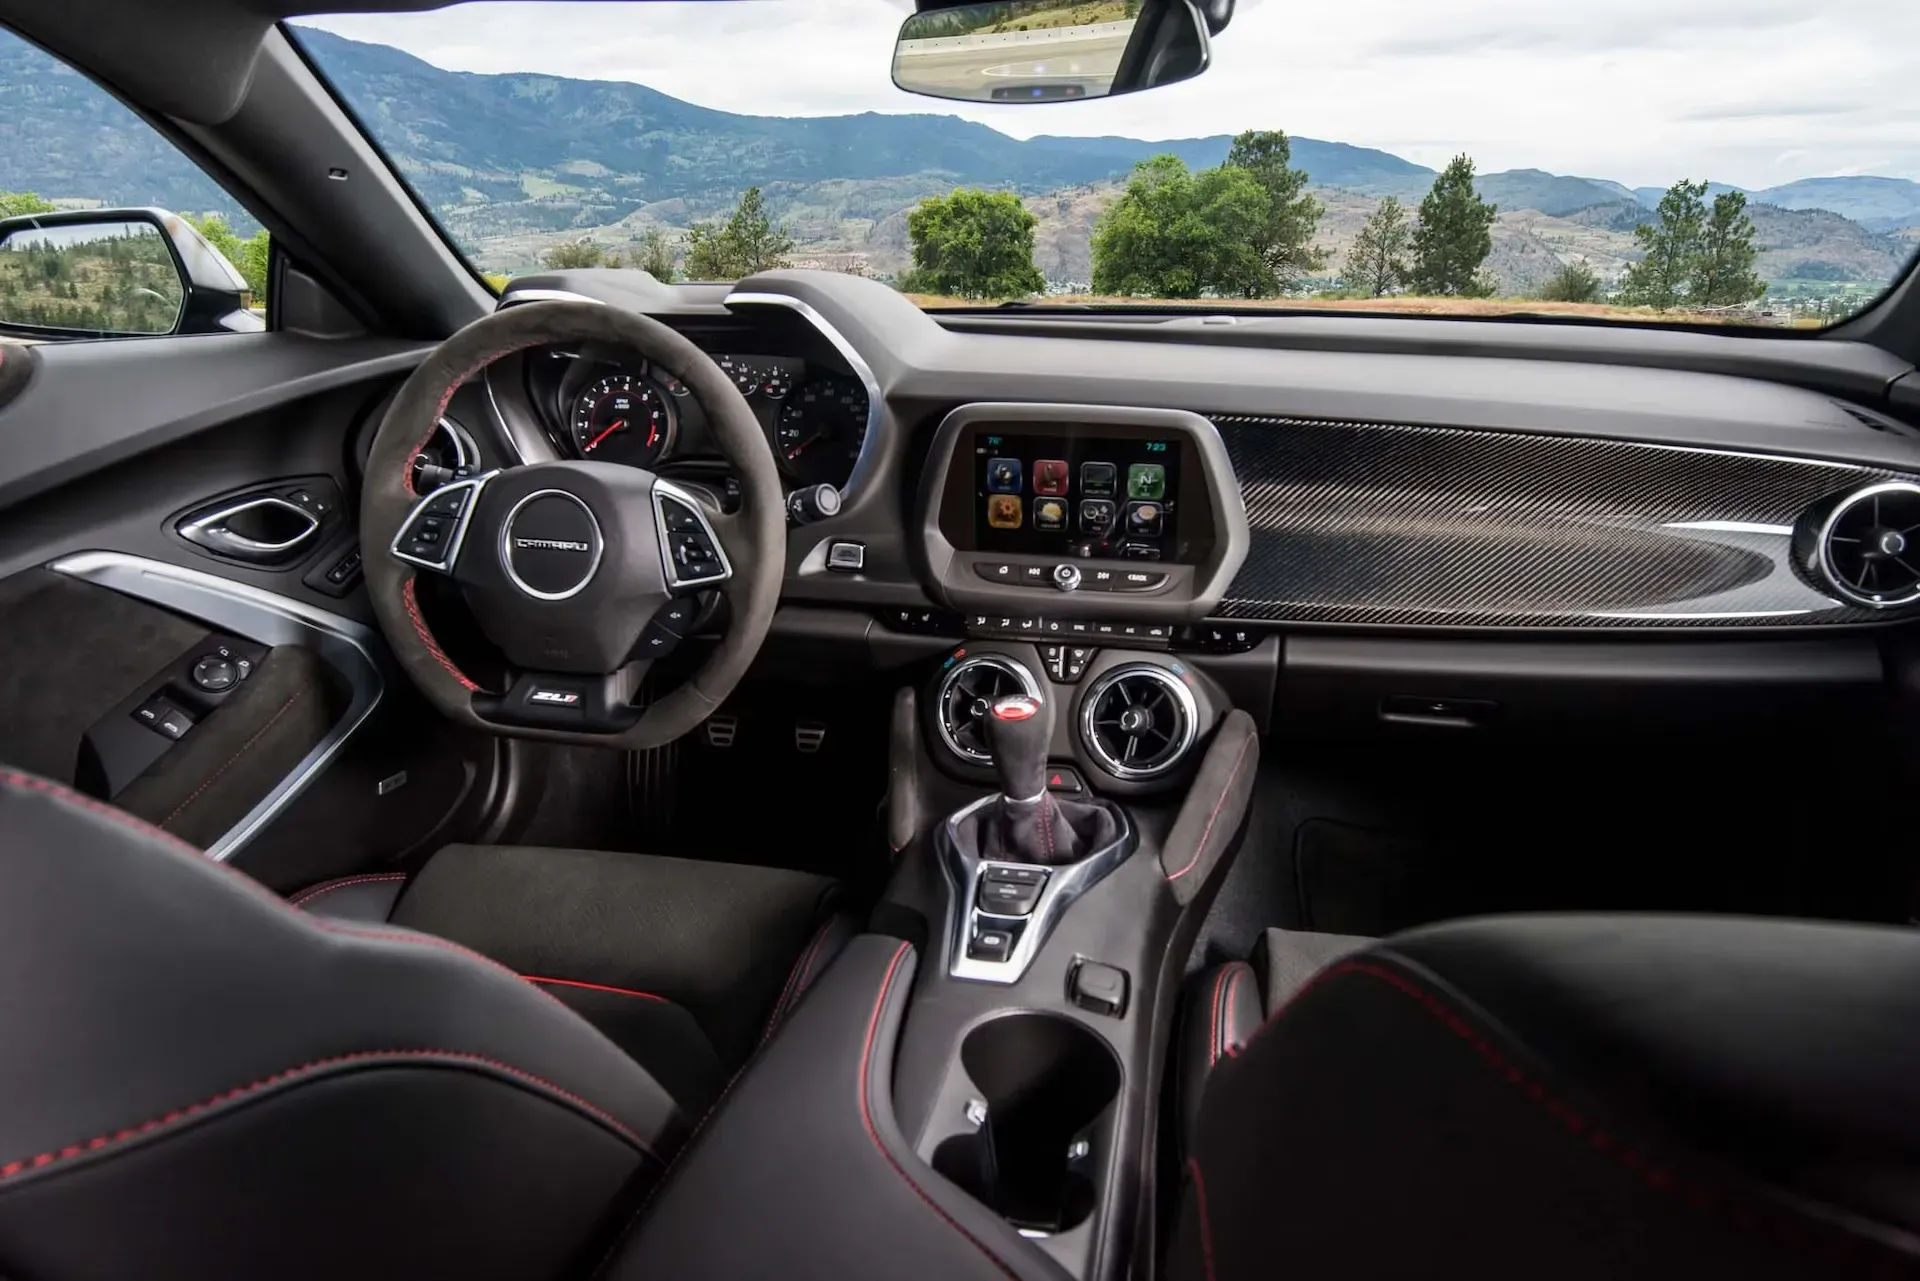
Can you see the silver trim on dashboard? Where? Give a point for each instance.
(999, 662)
(473, 486)
(1823, 547)
(864, 465)
(261, 616)
(515, 296)
(1182, 698)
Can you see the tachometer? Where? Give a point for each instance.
(822, 427)
(622, 418)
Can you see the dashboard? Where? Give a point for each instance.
(1210, 476)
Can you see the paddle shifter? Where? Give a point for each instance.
(1030, 824)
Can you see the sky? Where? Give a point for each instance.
(1750, 92)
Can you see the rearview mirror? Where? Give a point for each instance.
(1050, 50)
(99, 273)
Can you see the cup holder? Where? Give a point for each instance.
(1047, 1083)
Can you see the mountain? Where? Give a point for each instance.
(1546, 192)
(1650, 196)
(1879, 204)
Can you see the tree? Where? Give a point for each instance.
(1723, 274)
(1454, 237)
(1377, 262)
(1175, 234)
(655, 255)
(747, 242)
(575, 253)
(1574, 282)
(13, 203)
(1672, 245)
(1293, 216)
(973, 244)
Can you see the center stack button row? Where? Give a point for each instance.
(1029, 625)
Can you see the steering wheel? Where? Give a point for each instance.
(577, 572)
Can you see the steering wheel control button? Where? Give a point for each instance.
(215, 674)
(1066, 577)
(431, 534)
(689, 548)
(678, 616)
(551, 545)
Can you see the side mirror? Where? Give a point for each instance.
(1051, 50)
(99, 273)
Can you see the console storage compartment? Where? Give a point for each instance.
(1049, 1086)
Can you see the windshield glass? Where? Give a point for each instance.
(1730, 162)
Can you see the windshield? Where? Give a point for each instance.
(1728, 162)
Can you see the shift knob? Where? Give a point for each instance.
(1017, 732)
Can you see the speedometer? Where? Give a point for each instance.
(622, 418)
(822, 427)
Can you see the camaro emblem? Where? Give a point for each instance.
(550, 544)
(553, 544)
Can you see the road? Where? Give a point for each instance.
(972, 67)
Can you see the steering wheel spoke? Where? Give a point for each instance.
(435, 532)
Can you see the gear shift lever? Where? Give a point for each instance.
(1029, 825)
(1017, 732)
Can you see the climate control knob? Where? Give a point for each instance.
(1066, 577)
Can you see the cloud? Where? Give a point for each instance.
(1752, 92)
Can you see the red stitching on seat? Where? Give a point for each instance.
(1206, 1224)
(426, 637)
(325, 888)
(70, 797)
(1225, 792)
(191, 1110)
(1657, 1177)
(866, 1115)
(597, 987)
(794, 977)
(257, 734)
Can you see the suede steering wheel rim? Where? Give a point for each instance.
(753, 541)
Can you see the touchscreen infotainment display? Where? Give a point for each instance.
(1076, 496)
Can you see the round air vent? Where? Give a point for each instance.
(966, 692)
(1869, 547)
(1138, 721)
(448, 455)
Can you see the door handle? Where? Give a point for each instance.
(265, 529)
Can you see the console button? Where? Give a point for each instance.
(1100, 580)
(1066, 780)
(1140, 580)
(1081, 628)
(1066, 577)
(1007, 898)
(1034, 575)
(1053, 626)
(1076, 663)
(990, 945)
(997, 571)
(1026, 624)
(1016, 875)
(1055, 659)
(1140, 551)
(162, 717)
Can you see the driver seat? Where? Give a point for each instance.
(199, 1079)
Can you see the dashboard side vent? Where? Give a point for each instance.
(1138, 721)
(1874, 421)
(1868, 549)
(967, 691)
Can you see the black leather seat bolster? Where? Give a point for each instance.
(372, 1039)
(368, 898)
(1580, 1097)
(1226, 1004)
(839, 1194)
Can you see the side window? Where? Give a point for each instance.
(106, 230)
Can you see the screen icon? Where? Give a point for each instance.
(1146, 480)
(1050, 476)
(1097, 514)
(1048, 513)
(1096, 480)
(1144, 519)
(1003, 475)
(1003, 511)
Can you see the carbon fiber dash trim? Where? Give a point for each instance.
(1403, 525)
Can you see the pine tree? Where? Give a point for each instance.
(1672, 244)
(747, 242)
(1293, 216)
(1377, 263)
(1454, 237)
(1723, 274)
